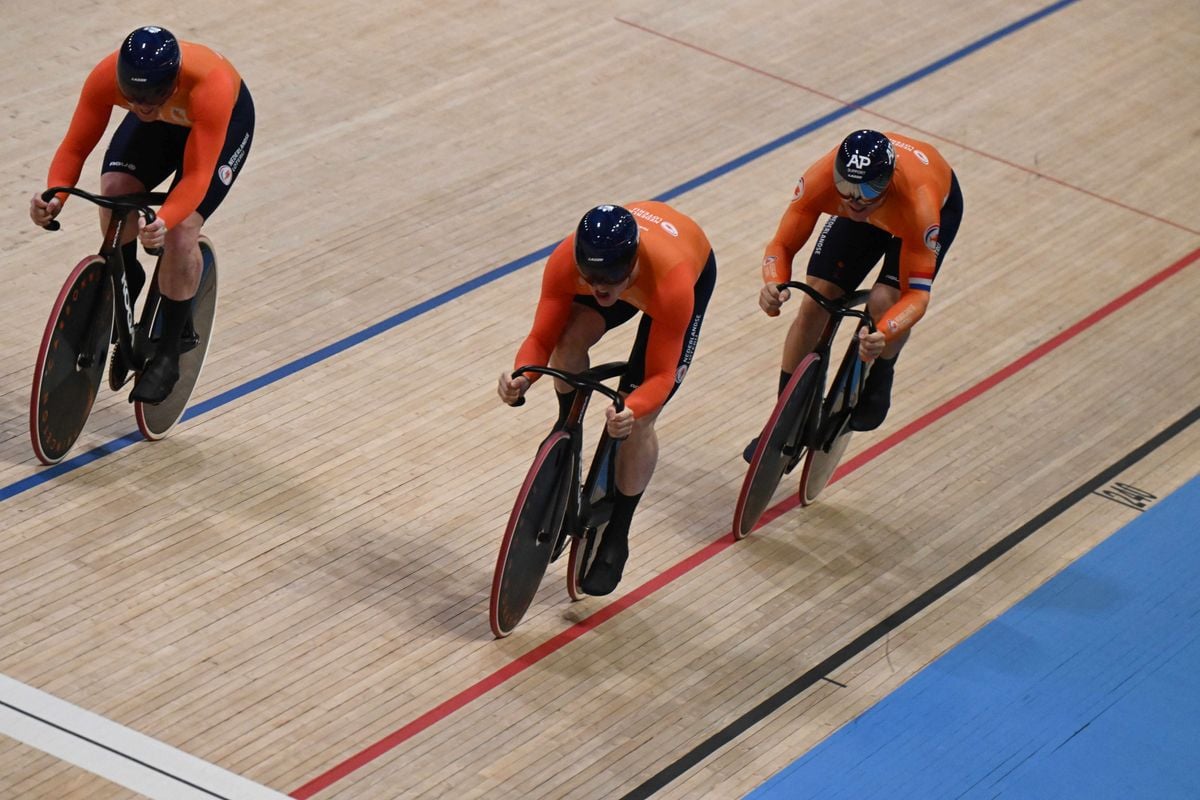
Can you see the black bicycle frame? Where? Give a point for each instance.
(834, 409)
(134, 343)
(582, 511)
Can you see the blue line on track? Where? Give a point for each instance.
(411, 313)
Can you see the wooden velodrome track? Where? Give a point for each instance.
(293, 586)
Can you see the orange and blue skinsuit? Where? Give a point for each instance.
(912, 212)
(203, 101)
(673, 252)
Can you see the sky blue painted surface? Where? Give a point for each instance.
(1088, 688)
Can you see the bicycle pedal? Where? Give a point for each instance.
(560, 545)
(118, 372)
(590, 538)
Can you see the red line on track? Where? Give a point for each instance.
(668, 576)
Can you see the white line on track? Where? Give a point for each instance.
(112, 751)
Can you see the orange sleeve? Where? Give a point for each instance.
(672, 313)
(794, 229)
(798, 221)
(212, 106)
(913, 302)
(88, 123)
(918, 263)
(553, 309)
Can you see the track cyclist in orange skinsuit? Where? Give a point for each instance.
(646, 257)
(887, 196)
(189, 113)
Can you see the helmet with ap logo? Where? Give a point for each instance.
(864, 165)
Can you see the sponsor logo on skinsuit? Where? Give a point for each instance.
(931, 239)
(924, 159)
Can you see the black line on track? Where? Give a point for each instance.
(879, 630)
(112, 750)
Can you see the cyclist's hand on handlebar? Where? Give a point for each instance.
(770, 298)
(870, 345)
(620, 423)
(512, 389)
(42, 212)
(153, 235)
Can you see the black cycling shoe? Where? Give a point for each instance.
(604, 573)
(874, 402)
(748, 453)
(157, 380)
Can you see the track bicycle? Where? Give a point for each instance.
(554, 507)
(807, 423)
(93, 310)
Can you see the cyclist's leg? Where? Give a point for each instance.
(635, 466)
(843, 255)
(845, 252)
(140, 156)
(181, 262)
(584, 328)
(876, 399)
(807, 326)
(589, 321)
(178, 276)
(638, 455)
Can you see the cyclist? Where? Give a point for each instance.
(188, 113)
(647, 257)
(890, 197)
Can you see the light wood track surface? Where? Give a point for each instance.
(303, 570)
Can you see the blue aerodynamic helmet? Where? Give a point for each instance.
(864, 165)
(148, 66)
(606, 244)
